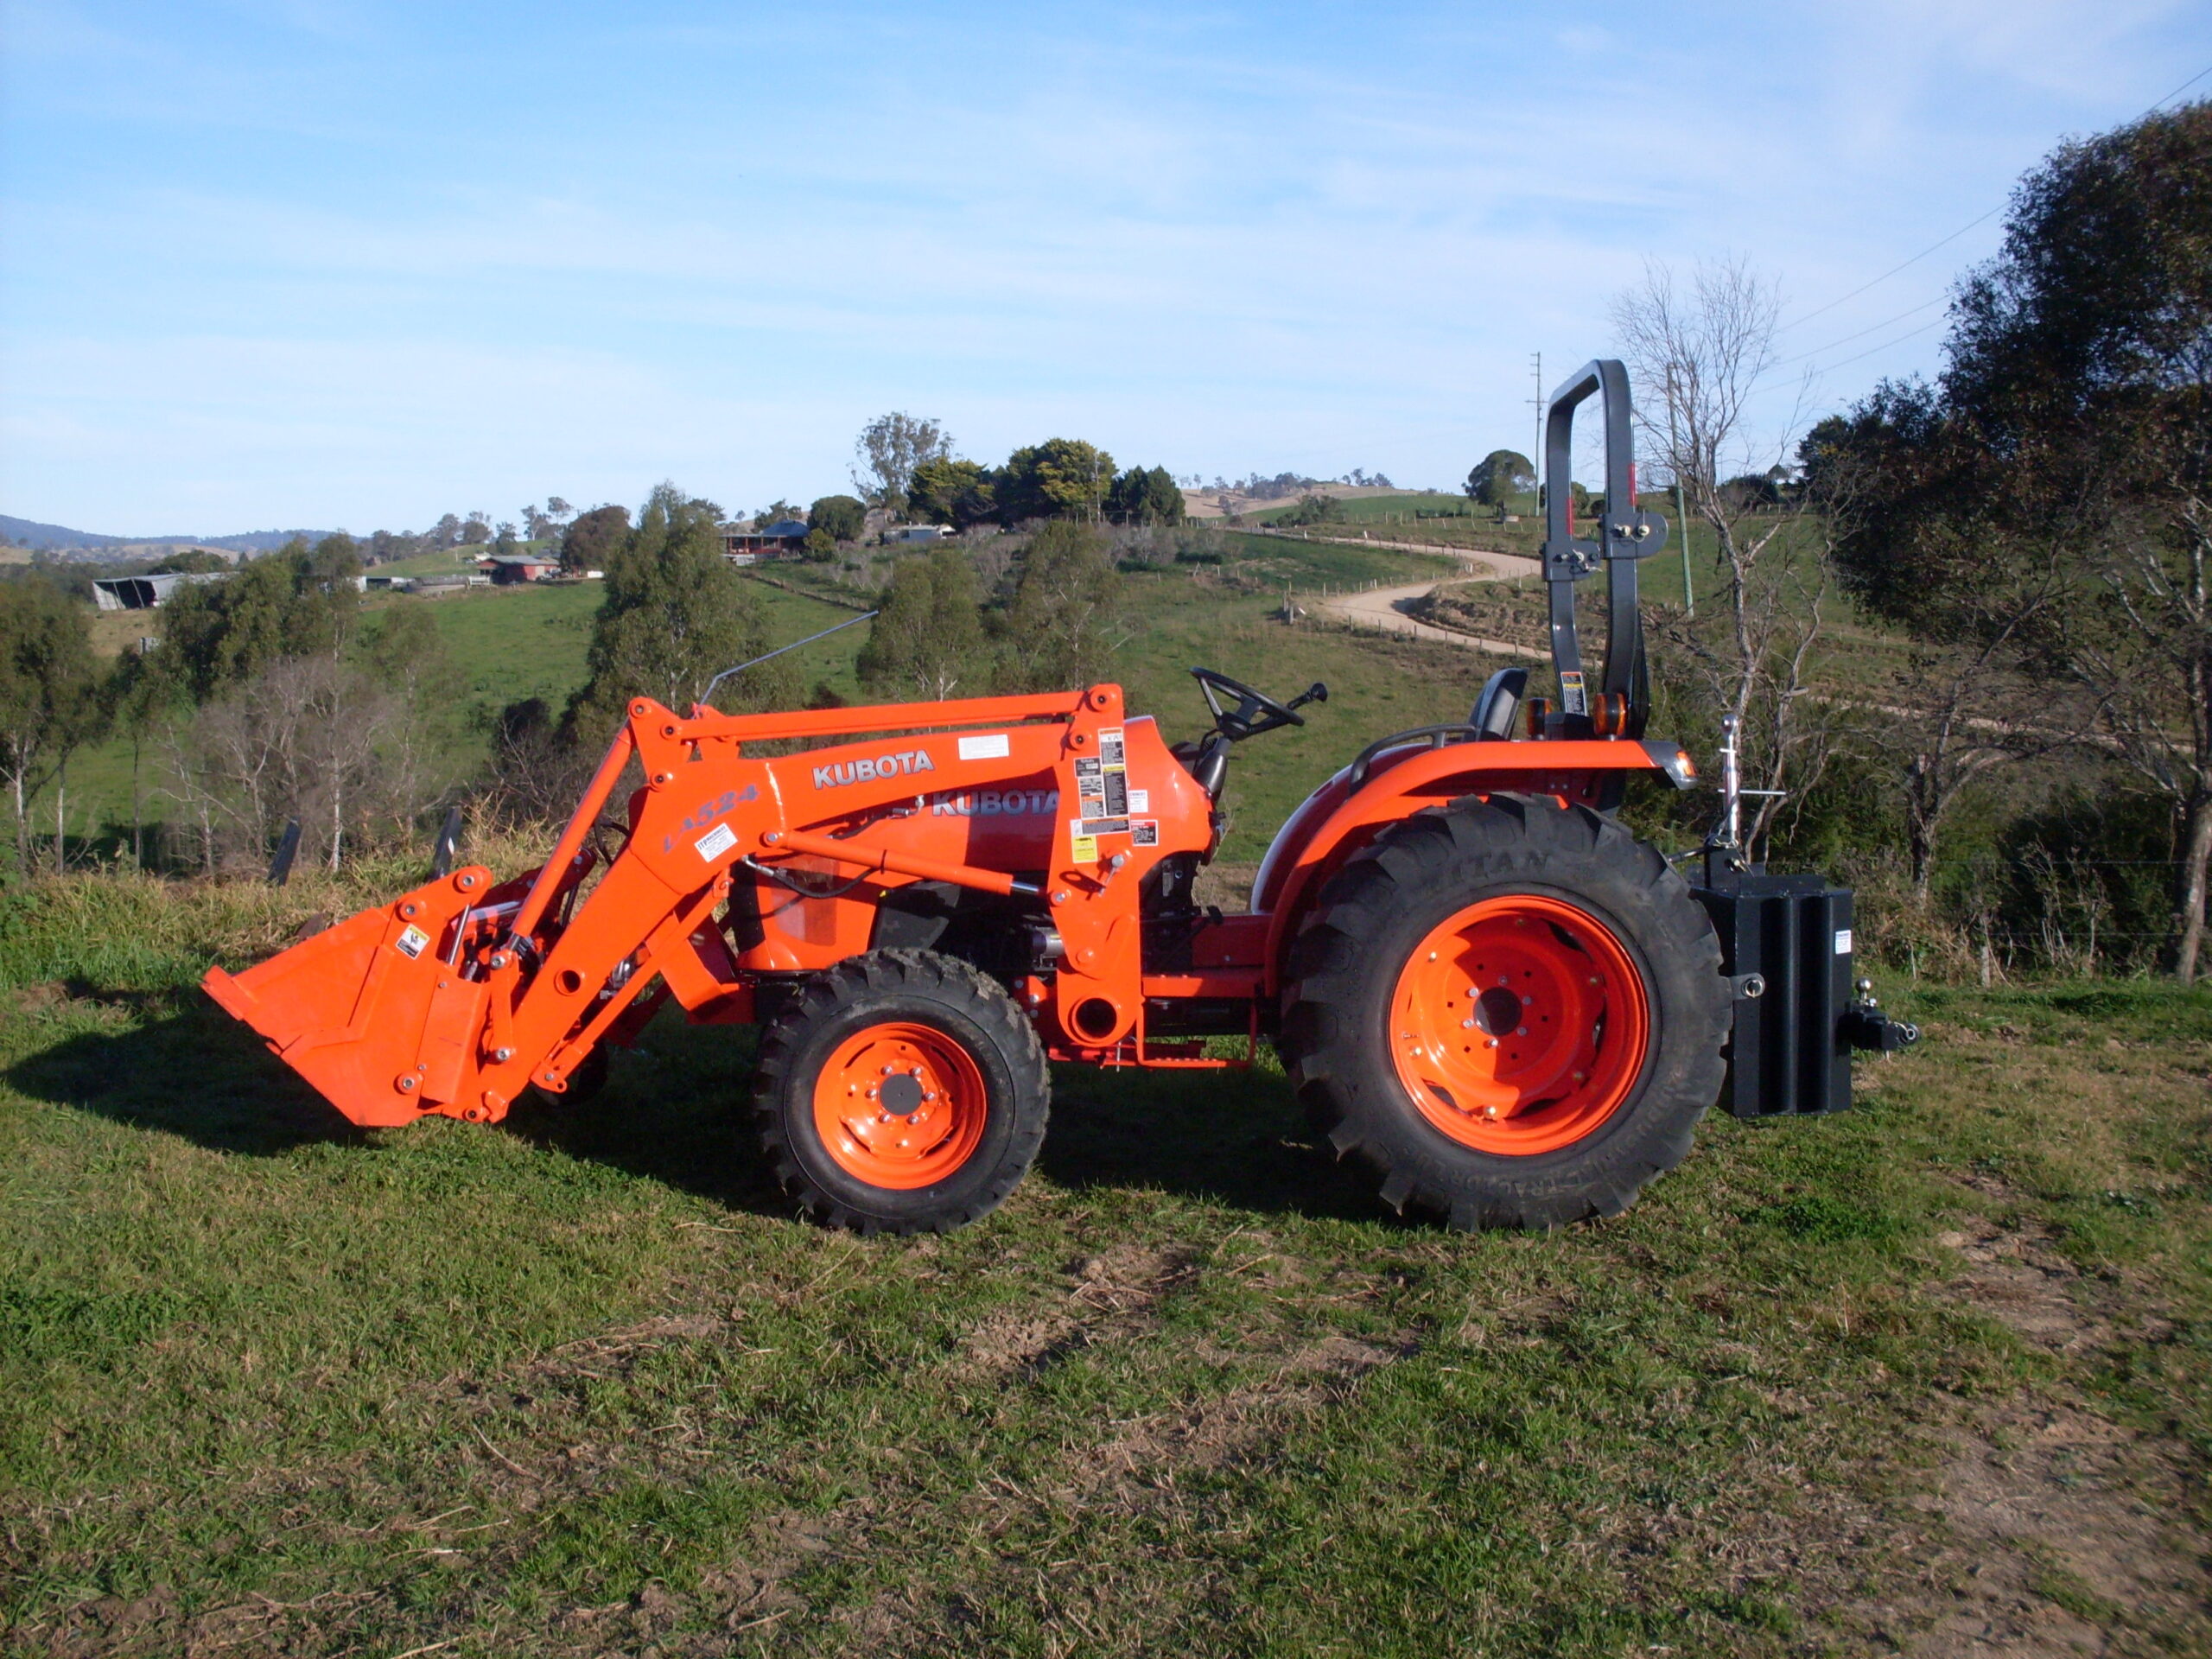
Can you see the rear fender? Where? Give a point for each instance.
(1339, 818)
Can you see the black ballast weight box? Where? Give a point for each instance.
(1785, 943)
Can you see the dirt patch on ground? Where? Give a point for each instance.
(1110, 1295)
(2016, 1276)
(2053, 1530)
(2059, 1533)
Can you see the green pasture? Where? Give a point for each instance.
(575, 1385)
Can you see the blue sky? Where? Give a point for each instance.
(280, 262)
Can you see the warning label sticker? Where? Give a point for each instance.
(1144, 832)
(412, 942)
(1083, 848)
(1572, 696)
(716, 842)
(1112, 758)
(1105, 826)
(1089, 787)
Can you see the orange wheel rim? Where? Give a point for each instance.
(900, 1105)
(1519, 1025)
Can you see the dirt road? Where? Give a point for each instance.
(1385, 608)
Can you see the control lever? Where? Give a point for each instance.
(1316, 692)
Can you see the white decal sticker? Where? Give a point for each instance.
(716, 842)
(992, 746)
(1843, 941)
(412, 942)
(1139, 800)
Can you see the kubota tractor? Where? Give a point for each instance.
(1481, 986)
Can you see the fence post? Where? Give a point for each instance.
(288, 848)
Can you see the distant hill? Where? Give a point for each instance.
(29, 532)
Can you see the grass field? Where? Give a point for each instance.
(1936, 1377)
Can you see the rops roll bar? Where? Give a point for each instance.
(1627, 534)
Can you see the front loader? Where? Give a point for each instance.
(1482, 985)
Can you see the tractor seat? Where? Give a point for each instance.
(1206, 760)
(1498, 704)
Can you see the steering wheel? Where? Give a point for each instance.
(1255, 711)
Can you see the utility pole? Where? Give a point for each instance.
(1682, 512)
(1536, 455)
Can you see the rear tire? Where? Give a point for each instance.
(1512, 1011)
(900, 1092)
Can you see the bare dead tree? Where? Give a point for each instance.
(1697, 350)
(310, 738)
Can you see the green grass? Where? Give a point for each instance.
(575, 1385)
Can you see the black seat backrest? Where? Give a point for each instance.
(1499, 702)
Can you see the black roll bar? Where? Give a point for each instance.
(1627, 534)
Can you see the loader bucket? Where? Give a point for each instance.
(373, 1011)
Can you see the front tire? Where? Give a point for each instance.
(900, 1092)
(1512, 1011)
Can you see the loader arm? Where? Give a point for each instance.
(457, 996)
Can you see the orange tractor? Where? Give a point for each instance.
(1480, 983)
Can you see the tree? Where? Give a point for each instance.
(945, 490)
(888, 450)
(296, 602)
(843, 516)
(1061, 478)
(1313, 509)
(1139, 497)
(544, 524)
(49, 693)
(1057, 634)
(445, 533)
(1499, 476)
(193, 562)
(776, 512)
(928, 636)
(592, 540)
(674, 614)
(477, 531)
(311, 738)
(2057, 478)
(1697, 352)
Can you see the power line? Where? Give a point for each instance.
(1876, 328)
(1893, 270)
(1963, 229)
(1908, 334)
